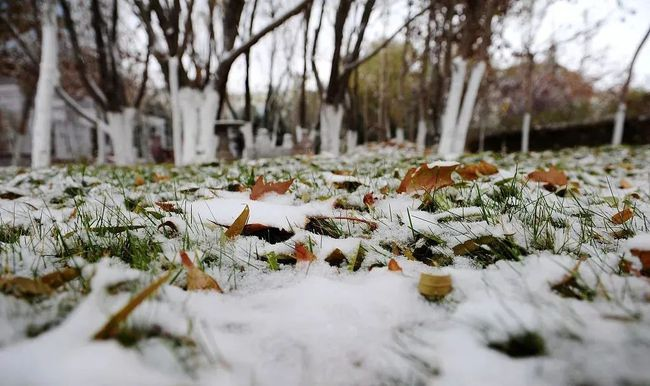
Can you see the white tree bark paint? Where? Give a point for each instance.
(331, 120)
(101, 143)
(351, 138)
(450, 115)
(525, 133)
(619, 122)
(208, 141)
(467, 110)
(18, 148)
(47, 80)
(421, 137)
(287, 141)
(175, 110)
(198, 112)
(249, 141)
(188, 100)
(399, 135)
(120, 130)
(299, 132)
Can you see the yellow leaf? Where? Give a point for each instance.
(238, 225)
(434, 287)
(110, 329)
(139, 180)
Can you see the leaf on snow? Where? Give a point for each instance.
(427, 178)
(434, 287)
(238, 225)
(393, 266)
(261, 188)
(551, 176)
(24, 287)
(139, 180)
(302, 253)
(473, 171)
(168, 207)
(110, 329)
(623, 216)
(197, 279)
(369, 200)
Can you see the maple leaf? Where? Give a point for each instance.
(427, 177)
(551, 176)
(238, 225)
(623, 216)
(261, 188)
(393, 266)
(302, 253)
(473, 171)
(197, 279)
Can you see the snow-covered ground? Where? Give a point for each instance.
(546, 287)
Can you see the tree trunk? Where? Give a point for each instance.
(331, 119)
(450, 115)
(420, 141)
(42, 128)
(619, 121)
(525, 133)
(175, 110)
(467, 110)
(120, 129)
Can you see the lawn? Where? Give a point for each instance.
(369, 269)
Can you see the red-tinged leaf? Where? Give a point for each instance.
(168, 207)
(427, 178)
(644, 257)
(302, 253)
(369, 200)
(623, 216)
(551, 176)
(473, 171)
(111, 328)
(238, 225)
(197, 279)
(261, 188)
(393, 266)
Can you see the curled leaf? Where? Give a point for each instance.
(427, 177)
(434, 287)
(551, 176)
(110, 329)
(473, 171)
(197, 279)
(302, 253)
(623, 216)
(24, 287)
(261, 188)
(238, 225)
(393, 266)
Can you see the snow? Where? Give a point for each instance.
(316, 324)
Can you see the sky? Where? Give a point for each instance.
(607, 54)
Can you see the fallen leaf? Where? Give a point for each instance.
(197, 279)
(369, 200)
(625, 184)
(471, 172)
(336, 258)
(24, 287)
(58, 278)
(159, 177)
(110, 329)
(168, 207)
(434, 287)
(302, 253)
(427, 178)
(139, 180)
(261, 188)
(238, 225)
(551, 176)
(8, 195)
(393, 266)
(644, 257)
(622, 216)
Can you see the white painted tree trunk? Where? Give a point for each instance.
(525, 133)
(399, 136)
(619, 122)
(467, 110)
(421, 137)
(299, 132)
(351, 138)
(175, 110)
(48, 77)
(249, 141)
(101, 144)
(331, 120)
(198, 111)
(18, 149)
(120, 130)
(450, 115)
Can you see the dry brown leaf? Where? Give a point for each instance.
(427, 178)
(261, 188)
(369, 200)
(393, 266)
(551, 176)
(473, 171)
(434, 287)
(238, 225)
(58, 278)
(336, 258)
(302, 253)
(139, 180)
(167, 207)
(24, 287)
(623, 216)
(625, 184)
(159, 177)
(197, 279)
(110, 329)
(644, 257)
